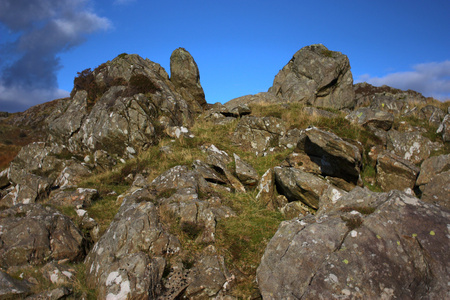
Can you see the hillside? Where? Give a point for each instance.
(136, 188)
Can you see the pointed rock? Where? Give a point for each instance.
(185, 75)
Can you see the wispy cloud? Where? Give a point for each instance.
(430, 79)
(44, 28)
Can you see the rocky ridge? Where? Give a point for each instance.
(317, 188)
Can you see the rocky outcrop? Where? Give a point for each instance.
(388, 99)
(326, 256)
(245, 172)
(434, 115)
(316, 76)
(11, 288)
(184, 74)
(122, 107)
(33, 234)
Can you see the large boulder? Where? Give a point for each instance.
(434, 115)
(122, 107)
(184, 74)
(33, 234)
(316, 76)
(336, 157)
(371, 246)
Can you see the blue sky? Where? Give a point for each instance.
(239, 46)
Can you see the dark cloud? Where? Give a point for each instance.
(44, 28)
(430, 79)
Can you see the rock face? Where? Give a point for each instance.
(316, 76)
(33, 234)
(411, 146)
(336, 157)
(386, 98)
(395, 173)
(437, 190)
(365, 116)
(326, 256)
(444, 128)
(184, 74)
(259, 134)
(137, 103)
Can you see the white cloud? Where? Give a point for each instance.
(430, 79)
(15, 99)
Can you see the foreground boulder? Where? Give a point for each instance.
(370, 246)
(33, 234)
(316, 76)
(396, 173)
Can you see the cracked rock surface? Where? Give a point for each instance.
(387, 245)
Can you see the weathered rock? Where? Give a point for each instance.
(72, 175)
(210, 277)
(208, 173)
(245, 172)
(126, 115)
(365, 116)
(259, 134)
(434, 115)
(411, 146)
(336, 157)
(260, 98)
(79, 198)
(388, 99)
(302, 162)
(316, 76)
(444, 128)
(11, 288)
(266, 188)
(178, 131)
(388, 245)
(33, 234)
(184, 74)
(437, 191)
(431, 167)
(299, 186)
(395, 173)
(121, 263)
(291, 138)
(55, 294)
(294, 209)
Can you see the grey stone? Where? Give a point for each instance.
(11, 288)
(395, 173)
(336, 157)
(431, 167)
(184, 74)
(316, 76)
(396, 248)
(33, 234)
(245, 172)
(444, 128)
(437, 191)
(259, 134)
(370, 117)
(411, 146)
(299, 186)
